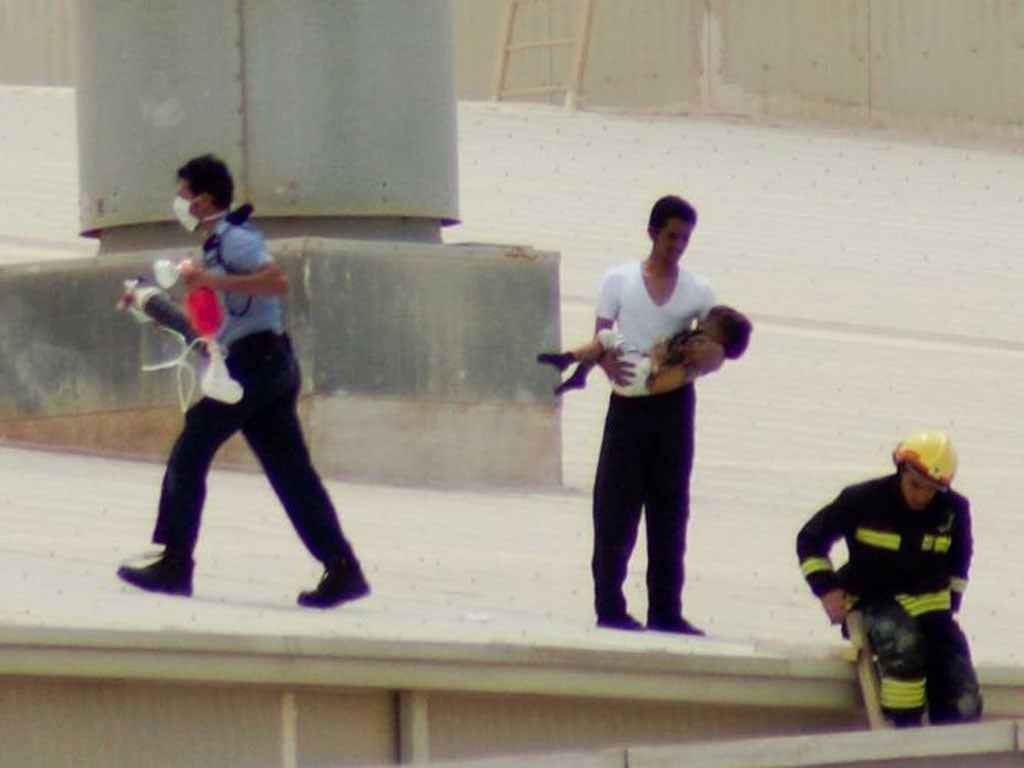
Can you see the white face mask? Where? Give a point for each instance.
(186, 219)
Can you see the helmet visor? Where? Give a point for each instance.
(923, 476)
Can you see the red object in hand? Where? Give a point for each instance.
(203, 311)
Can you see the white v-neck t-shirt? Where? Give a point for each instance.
(624, 300)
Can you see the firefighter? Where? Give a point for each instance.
(908, 536)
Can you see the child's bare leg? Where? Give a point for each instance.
(588, 353)
(578, 379)
(561, 360)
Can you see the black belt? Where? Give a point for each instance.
(259, 343)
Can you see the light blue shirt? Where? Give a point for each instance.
(242, 251)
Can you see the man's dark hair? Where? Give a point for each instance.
(209, 174)
(668, 208)
(736, 329)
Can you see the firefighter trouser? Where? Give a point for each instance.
(923, 662)
(645, 462)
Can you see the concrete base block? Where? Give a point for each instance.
(415, 442)
(417, 358)
(146, 434)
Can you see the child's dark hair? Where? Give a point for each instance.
(209, 174)
(736, 329)
(668, 208)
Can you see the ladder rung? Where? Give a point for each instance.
(541, 89)
(578, 45)
(541, 44)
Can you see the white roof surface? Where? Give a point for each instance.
(881, 274)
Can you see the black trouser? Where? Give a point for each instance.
(922, 660)
(645, 462)
(265, 366)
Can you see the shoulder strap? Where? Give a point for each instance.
(212, 253)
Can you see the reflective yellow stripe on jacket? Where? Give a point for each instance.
(815, 565)
(916, 605)
(880, 539)
(938, 544)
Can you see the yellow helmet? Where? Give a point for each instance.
(929, 452)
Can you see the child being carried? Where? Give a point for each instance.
(672, 363)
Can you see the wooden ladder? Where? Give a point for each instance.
(578, 43)
(867, 675)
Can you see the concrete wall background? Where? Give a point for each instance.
(361, 123)
(255, 726)
(37, 42)
(945, 67)
(243, 726)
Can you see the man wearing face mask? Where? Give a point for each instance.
(248, 285)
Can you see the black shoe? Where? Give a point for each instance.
(171, 574)
(623, 621)
(341, 583)
(677, 626)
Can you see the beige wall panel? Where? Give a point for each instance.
(985, 745)
(476, 37)
(949, 65)
(612, 758)
(537, 21)
(466, 726)
(645, 54)
(37, 45)
(349, 728)
(55, 724)
(793, 58)
(478, 40)
(944, 67)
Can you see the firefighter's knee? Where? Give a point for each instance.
(969, 706)
(966, 707)
(900, 650)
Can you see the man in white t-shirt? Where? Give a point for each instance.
(647, 448)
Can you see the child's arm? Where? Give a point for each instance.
(587, 356)
(589, 352)
(702, 356)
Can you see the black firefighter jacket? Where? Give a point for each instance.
(920, 558)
